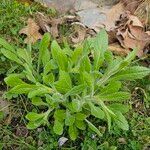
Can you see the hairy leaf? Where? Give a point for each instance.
(80, 124)
(32, 116)
(59, 56)
(58, 127)
(100, 44)
(93, 128)
(121, 121)
(131, 73)
(117, 96)
(96, 111)
(73, 132)
(14, 80)
(11, 55)
(64, 84)
(70, 119)
(44, 55)
(76, 90)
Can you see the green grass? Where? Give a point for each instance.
(13, 16)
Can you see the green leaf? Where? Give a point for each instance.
(22, 89)
(50, 66)
(116, 66)
(76, 90)
(148, 120)
(59, 56)
(76, 105)
(11, 55)
(132, 73)
(2, 115)
(109, 57)
(88, 79)
(37, 101)
(39, 91)
(108, 120)
(119, 107)
(64, 84)
(110, 71)
(48, 79)
(77, 54)
(6, 45)
(121, 121)
(73, 132)
(117, 96)
(131, 55)
(93, 128)
(58, 127)
(109, 113)
(29, 73)
(96, 111)
(85, 64)
(80, 124)
(13, 80)
(111, 88)
(70, 119)
(32, 116)
(33, 125)
(25, 55)
(47, 68)
(44, 54)
(100, 44)
(59, 115)
(80, 116)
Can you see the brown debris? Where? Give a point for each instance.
(117, 49)
(79, 33)
(51, 25)
(112, 16)
(22, 131)
(4, 105)
(131, 33)
(32, 31)
(131, 5)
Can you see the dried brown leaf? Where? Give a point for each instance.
(54, 26)
(131, 34)
(117, 49)
(32, 31)
(113, 15)
(48, 24)
(79, 33)
(131, 5)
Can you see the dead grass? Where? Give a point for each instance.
(143, 11)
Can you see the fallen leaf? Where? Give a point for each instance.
(131, 5)
(113, 15)
(43, 21)
(32, 31)
(55, 22)
(79, 33)
(48, 24)
(117, 49)
(131, 34)
(142, 12)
